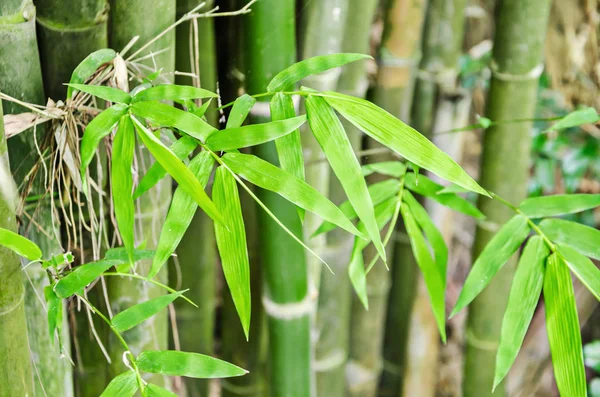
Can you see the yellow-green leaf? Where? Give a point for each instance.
(583, 238)
(103, 92)
(578, 117)
(20, 245)
(239, 111)
(157, 391)
(123, 385)
(139, 313)
(585, 270)
(193, 365)
(88, 66)
(172, 92)
(559, 204)
(395, 169)
(81, 276)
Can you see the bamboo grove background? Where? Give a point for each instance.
(432, 70)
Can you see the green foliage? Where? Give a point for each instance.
(132, 316)
(20, 245)
(176, 363)
(172, 92)
(123, 385)
(89, 66)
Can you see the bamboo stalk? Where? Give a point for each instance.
(22, 78)
(516, 65)
(271, 47)
(334, 303)
(147, 19)
(67, 32)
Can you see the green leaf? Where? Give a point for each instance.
(426, 187)
(97, 129)
(193, 365)
(172, 92)
(583, 238)
(123, 385)
(181, 149)
(310, 66)
(431, 274)
(560, 204)
(139, 313)
(495, 254)
(267, 176)
(20, 245)
(231, 241)
(585, 270)
(157, 391)
(81, 276)
(54, 307)
(88, 66)
(379, 192)
(562, 325)
(184, 177)
(181, 212)
(107, 93)
(329, 132)
(401, 138)
(522, 301)
(578, 117)
(239, 111)
(395, 169)
(201, 109)
(252, 135)
(168, 116)
(122, 182)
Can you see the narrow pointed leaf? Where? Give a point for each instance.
(495, 254)
(181, 149)
(20, 245)
(97, 129)
(186, 180)
(193, 365)
(401, 138)
(139, 313)
(88, 66)
(54, 307)
(559, 204)
(107, 93)
(585, 270)
(252, 135)
(181, 212)
(81, 276)
(329, 132)
(310, 66)
(172, 92)
(201, 110)
(522, 301)
(582, 238)
(168, 116)
(231, 241)
(157, 391)
(123, 385)
(239, 111)
(562, 325)
(576, 118)
(395, 169)
(265, 175)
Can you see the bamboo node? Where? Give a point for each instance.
(331, 361)
(14, 306)
(533, 74)
(481, 344)
(288, 311)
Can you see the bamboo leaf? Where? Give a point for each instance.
(157, 391)
(559, 204)
(426, 187)
(107, 93)
(186, 180)
(583, 238)
(562, 325)
(332, 138)
(54, 307)
(522, 301)
(239, 111)
(88, 66)
(576, 118)
(585, 270)
(267, 176)
(495, 254)
(122, 182)
(201, 109)
(252, 135)
(172, 92)
(310, 66)
(20, 245)
(81, 276)
(139, 313)
(123, 385)
(401, 138)
(181, 212)
(181, 149)
(231, 242)
(168, 116)
(193, 365)
(395, 169)
(433, 281)
(97, 129)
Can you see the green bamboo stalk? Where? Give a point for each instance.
(271, 47)
(334, 303)
(516, 65)
(129, 18)
(393, 91)
(68, 31)
(15, 368)
(22, 78)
